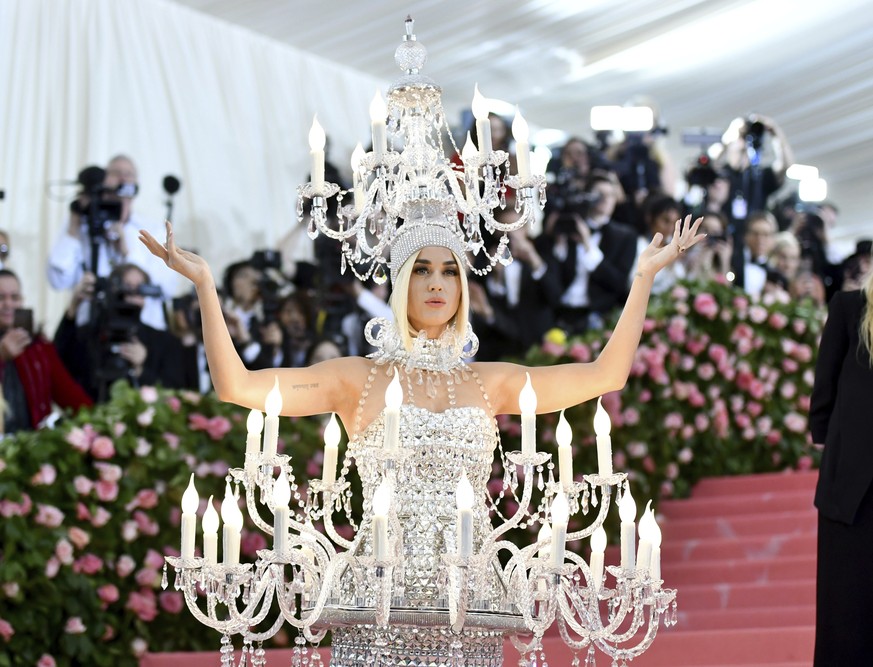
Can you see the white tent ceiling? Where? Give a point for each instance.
(808, 65)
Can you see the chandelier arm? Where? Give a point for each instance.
(314, 535)
(617, 653)
(522, 510)
(268, 633)
(327, 519)
(601, 517)
(228, 626)
(254, 513)
(567, 620)
(247, 616)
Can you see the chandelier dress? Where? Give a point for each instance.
(439, 446)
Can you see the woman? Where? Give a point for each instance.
(447, 425)
(840, 422)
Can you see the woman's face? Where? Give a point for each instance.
(244, 286)
(786, 260)
(665, 223)
(434, 290)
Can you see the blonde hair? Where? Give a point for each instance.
(866, 331)
(400, 301)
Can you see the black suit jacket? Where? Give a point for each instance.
(608, 283)
(841, 411)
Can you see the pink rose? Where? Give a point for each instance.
(6, 630)
(108, 633)
(101, 517)
(82, 512)
(48, 516)
(740, 303)
(171, 602)
(742, 420)
(777, 320)
(109, 472)
(148, 578)
(138, 647)
(649, 465)
(108, 593)
(637, 450)
(153, 559)
(553, 349)
(676, 330)
(80, 439)
(52, 566)
(619, 459)
(218, 427)
(679, 293)
(251, 542)
(754, 409)
(631, 416)
(687, 432)
(148, 394)
(83, 485)
(671, 471)
(145, 498)
(174, 403)
(102, 448)
(45, 660)
(718, 354)
(706, 371)
(145, 524)
(119, 429)
(11, 588)
(143, 604)
(764, 424)
(46, 475)
(774, 438)
(757, 314)
(673, 421)
(706, 305)
(667, 488)
(788, 390)
(129, 531)
(795, 422)
(197, 422)
(107, 491)
(74, 626)
(124, 566)
(804, 463)
(803, 353)
(172, 440)
(701, 422)
(88, 564)
(143, 447)
(685, 455)
(645, 396)
(78, 537)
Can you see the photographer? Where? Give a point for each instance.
(102, 221)
(117, 344)
(591, 254)
(32, 376)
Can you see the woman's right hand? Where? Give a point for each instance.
(192, 266)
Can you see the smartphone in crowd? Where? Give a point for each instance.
(23, 319)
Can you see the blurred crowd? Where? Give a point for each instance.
(127, 319)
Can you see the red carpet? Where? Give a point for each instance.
(741, 552)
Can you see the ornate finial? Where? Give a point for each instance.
(410, 22)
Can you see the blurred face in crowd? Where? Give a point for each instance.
(717, 193)
(759, 237)
(665, 223)
(131, 281)
(325, 350)
(10, 299)
(607, 199)
(785, 258)
(244, 286)
(292, 319)
(575, 156)
(712, 226)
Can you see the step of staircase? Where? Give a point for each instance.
(742, 484)
(779, 568)
(740, 525)
(737, 505)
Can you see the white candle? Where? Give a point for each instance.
(308, 554)
(655, 561)
(357, 156)
(527, 403)
(393, 399)
(331, 441)
(604, 441)
(522, 146)
(644, 550)
(469, 155)
(316, 152)
(545, 535)
(483, 124)
(465, 497)
(381, 507)
(254, 426)
(564, 435)
(210, 533)
(627, 510)
(560, 517)
(378, 113)
(281, 497)
(233, 520)
(598, 547)
(273, 407)
(190, 501)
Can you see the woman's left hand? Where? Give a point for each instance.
(656, 256)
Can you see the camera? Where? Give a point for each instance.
(568, 195)
(753, 131)
(272, 282)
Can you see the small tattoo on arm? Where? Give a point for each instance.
(303, 387)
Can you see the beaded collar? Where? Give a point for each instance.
(439, 355)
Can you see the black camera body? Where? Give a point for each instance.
(754, 131)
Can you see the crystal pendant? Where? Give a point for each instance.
(164, 578)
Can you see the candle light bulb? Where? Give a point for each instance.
(645, 528)
(520, 131)
(378, 108)
(465, 497)
(382, 498)
(598, 540)
(332, 432)
(545, 534)
(394, 393)
(281, 490)
(316, 135)
(469, 152)
(527, 398)
(563, 433)
(357, 156)
(627, 507)
(255, 422)
(210, 518)
(560, 509)
(273, 405)
(480, 105)
(227, 504)
(236, 518)
(602, 424)
(190, 499)
(655, 530)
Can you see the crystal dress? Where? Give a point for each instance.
(437, 446)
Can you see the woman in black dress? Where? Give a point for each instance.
(841, 420)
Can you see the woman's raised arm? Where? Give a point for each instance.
(566, 385)
(305, 391)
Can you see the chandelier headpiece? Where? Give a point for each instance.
(411, 195)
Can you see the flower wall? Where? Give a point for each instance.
(719, 386)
